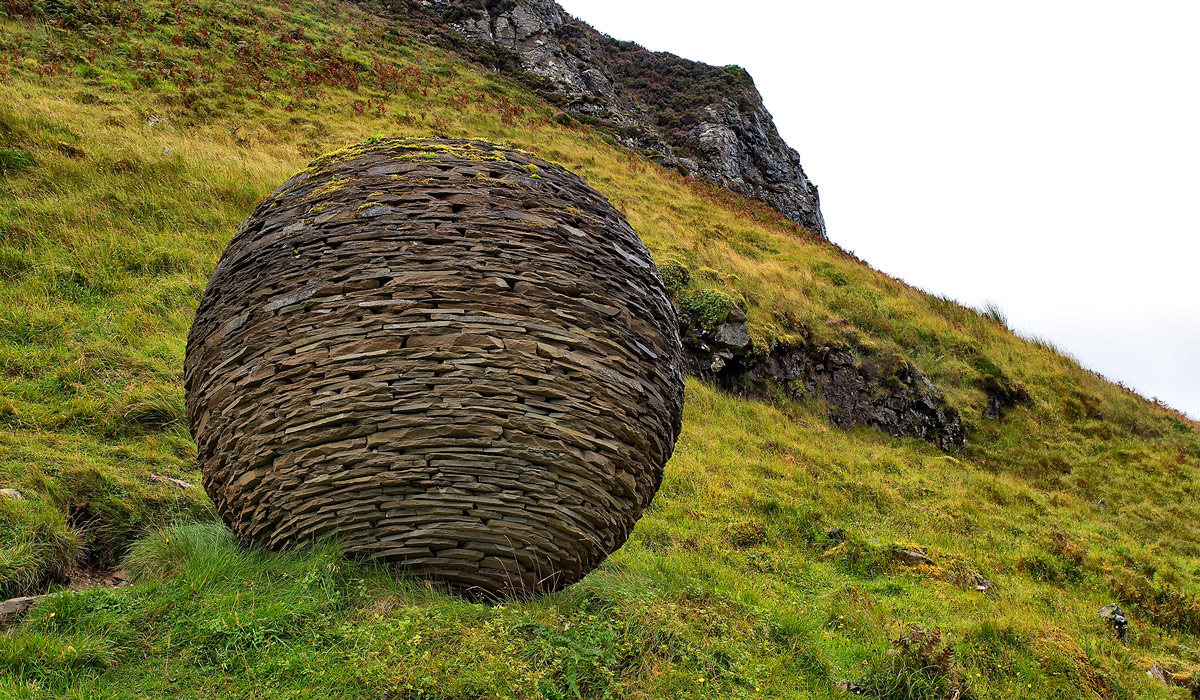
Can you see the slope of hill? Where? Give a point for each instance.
(783, 556)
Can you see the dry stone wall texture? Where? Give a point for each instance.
(449, 355)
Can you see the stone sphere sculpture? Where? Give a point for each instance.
(447, 355)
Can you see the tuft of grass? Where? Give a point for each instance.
(37, 546)
(14, 160)
(205, 549)
(992, 311)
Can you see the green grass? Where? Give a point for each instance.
(730, 586)
(144, 133)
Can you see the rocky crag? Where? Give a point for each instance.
(860, 387)
(451, 356)
(705, 121)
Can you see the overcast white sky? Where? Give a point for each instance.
(1042, 155)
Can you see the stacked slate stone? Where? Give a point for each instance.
(445, 354)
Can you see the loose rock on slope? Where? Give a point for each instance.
(448, 354)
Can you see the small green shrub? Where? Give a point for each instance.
(799, 525)
(987, 368)
(1060, 561)
(1048, 569)
(707, 308)
(676, 277)
(826, 269)
(738, 73)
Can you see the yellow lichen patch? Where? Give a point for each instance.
(934, 572)
(415, 149)
(412, 180)
(340, 155)
(333, 185)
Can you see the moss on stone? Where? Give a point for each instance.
(334, 184)
(412, 149)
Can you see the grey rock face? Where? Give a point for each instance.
(453, 356)
(733, 141)
(531, 29)
(733, 336)
(740, 149)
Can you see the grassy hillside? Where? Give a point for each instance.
(135, 137)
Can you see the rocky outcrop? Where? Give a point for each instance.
(887, 394)
(1002, 394)
(860, 388)
(448, 355)
(703, 120)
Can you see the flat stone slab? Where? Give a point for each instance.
(13, 609)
